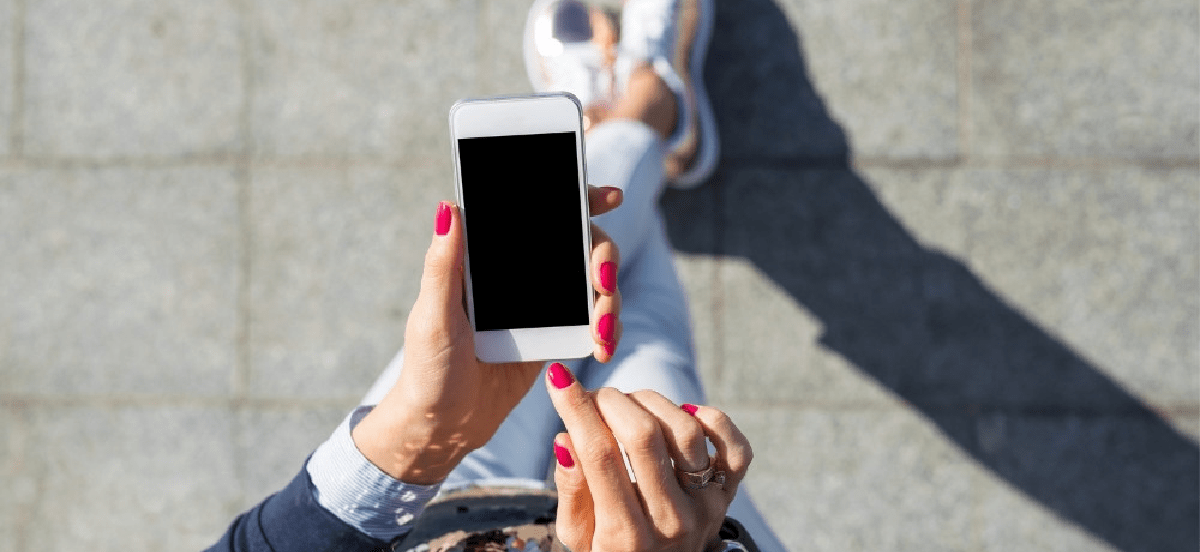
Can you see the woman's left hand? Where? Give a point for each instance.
(446, 402)
(600, 509)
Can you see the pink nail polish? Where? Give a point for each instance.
(563, 455)
(442, 223)
(607, 327)
(609, 349)
(560, 377)
(608, 276)
(690, 408)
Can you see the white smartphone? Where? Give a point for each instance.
(522, 191)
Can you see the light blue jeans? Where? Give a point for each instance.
(656, 350)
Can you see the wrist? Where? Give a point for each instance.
(408, 449)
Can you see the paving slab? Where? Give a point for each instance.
(766, 107)
(119, 281)
(502, 65)
(337, 255)
(1128, 482)
(691, 221)
(1099, 257)
(917, 198)
(888, 109)
(772, 351)
(132, 78)
(848, 480)
(817, 249)
(360, 78)
(273, 442)
(1086, 78)
(155, 477)
(17, 468)
(8, 73)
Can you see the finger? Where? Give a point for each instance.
(608, 316)
(607, 331)
(603, 200)
(607, 307)
(640, 434)
(576, 511)
(683, 433)
(733, 449)
(596, 453)
(605, 261)
(442, 280)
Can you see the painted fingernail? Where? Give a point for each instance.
(560, 377)
(442, 223)
(609, 348)
(607, 327)
(563, 455)
(608, 276)
(690, 409)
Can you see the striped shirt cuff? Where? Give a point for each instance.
(358, 492)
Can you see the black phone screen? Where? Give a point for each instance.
(521, 202)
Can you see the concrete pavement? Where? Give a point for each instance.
(947, 276)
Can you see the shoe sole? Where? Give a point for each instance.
(709, 147)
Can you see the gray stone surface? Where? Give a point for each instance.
(361, 79)
(767, 108)
(1099, 255)
(501, 62)
(849, 480)
(888, 109)
(978, 332)
(8, 73)
(130, 477)
(776, 356)
(119, 280)
(1127, 482)
(1086, 78)
(135, 77)
(17, 465)
(267, 458)
(336, 262)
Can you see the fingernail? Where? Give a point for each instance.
(442, 223)
(563, 455)
(690, 409)
(607, 326)
(608, 276)
(560, 377)
(609, 348)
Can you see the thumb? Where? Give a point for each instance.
(576, 512)
(442, 280)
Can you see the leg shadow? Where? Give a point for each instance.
(1020, 402)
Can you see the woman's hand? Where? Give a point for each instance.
(600, 509)
(446, 402)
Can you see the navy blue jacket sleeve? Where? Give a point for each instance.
(292, 519)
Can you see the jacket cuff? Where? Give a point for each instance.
(360, 494)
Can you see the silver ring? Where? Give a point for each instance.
(703, 478)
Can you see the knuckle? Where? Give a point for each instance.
(603, 452)
(675, 527)
(640, 435)
(578, 400)
(691, 437)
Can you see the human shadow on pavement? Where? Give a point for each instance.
(1021, 403)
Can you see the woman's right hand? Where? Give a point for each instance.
(600, 509)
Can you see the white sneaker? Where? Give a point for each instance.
(570, 46)
(672, 36)
(573, 46)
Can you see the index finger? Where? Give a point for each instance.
(597, 453)
(604, 199)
